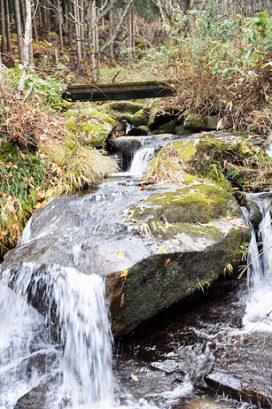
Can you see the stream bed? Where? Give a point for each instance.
(205, 353)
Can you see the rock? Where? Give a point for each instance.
(126, 107)
(230, 160)
(139, 131)
(188, 230)
(125, 147)
(208, 403)
(196, 123)
(238, 389)
(155, 244)
(255, 215)
(40, 396)
(168, 127)
(141, 117)
(90, 126)
(180, 130)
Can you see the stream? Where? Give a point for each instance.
(213, 352)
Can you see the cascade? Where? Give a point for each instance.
(84, 363)
(258, 315)
(140, 161)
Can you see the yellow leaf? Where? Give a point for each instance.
(119, 255)
(124, 273)
(134, 377)
(162, 250)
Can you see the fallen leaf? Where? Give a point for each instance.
(124, 273)
(167, 262)
(119, 255)
(134, 377)
(162, 250)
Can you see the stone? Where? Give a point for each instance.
(125, 107)
(155, 244)
(141, 117)
(89, 126)
(196, 123)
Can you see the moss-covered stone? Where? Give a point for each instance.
(189, 209)
(125, 107)
(139, 131)
(231, 161)
(141, 117)
(90, 126)
(196, 123)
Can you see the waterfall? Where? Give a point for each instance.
(140, 161)
(258, 313)
(85, 360)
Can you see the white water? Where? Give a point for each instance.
(85, 362)
(140, 161)
(258, 315)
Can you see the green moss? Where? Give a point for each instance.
(141, 117)
(89, 126)
(190, 210)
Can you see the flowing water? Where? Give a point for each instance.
(62, 357)
(140, 161)
(258, 315)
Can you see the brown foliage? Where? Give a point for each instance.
(240, 101)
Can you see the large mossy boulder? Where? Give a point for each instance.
(90, 126)
(194, 234)
(155, 244)
(234, 161)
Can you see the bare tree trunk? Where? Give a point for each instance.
(27, 46)
(95, 43)
(3, 28)
(131, 34)
(78, 31)
(19, 29)
(60, 23)
(8, 27)
(111, 47)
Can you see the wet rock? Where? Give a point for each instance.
(207, 403)
(242, 367)
(139, 131)
(156, 244)
(125, 147)
(230, 160)
(39, 397)
(228, 385)
(255, 214)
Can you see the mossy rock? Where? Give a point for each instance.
(169, 128)
(139, 131)
(230, 160)
(125, 107)
(90, 126)
(189, 209)
(196, 123)
(199, 233)
(141, 117)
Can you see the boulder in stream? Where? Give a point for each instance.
(155, 244)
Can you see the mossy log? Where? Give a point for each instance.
(120, 91)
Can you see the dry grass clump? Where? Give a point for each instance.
(39, 160)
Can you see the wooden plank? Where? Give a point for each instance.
(118, 91)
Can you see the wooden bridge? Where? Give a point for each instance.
(119, 91)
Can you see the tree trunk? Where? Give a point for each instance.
(3, 28)
(60, 23)
(27, 46)
(19, 29)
